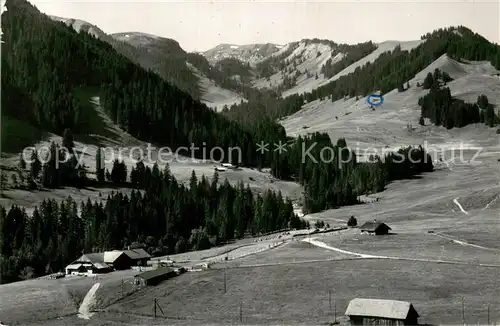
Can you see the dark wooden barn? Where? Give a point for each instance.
(377, 228)
(118, 259)
(381, 312)
(155, 276)
(138, 256)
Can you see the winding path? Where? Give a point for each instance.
(88, 302)
(463, 243)
(491, 202)
(320, 244)
(460, 206)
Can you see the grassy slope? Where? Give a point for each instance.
(298, 293)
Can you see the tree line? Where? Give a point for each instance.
(443, 110)
(162, 214)
(352, 53)
(333, 175)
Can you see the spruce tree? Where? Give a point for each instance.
(428, 81)
(482, 102)
(99, 166)
(22, 164)
(67, 140)
(35, 166)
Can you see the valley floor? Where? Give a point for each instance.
(289, 283)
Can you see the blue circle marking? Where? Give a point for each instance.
(375, 99)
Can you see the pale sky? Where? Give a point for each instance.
(201, 25)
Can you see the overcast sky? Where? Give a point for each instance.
(201, 25)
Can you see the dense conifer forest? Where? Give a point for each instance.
(162, 214)
(352, 53)
(275, 63)
(333, 177)
(444, 110)
(46, 62)
(168, 59)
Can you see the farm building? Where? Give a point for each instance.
(154, 276)
(92, 263)
(118, 259)
(139, 257)
(103, 262)
(381, 312)
(374, 227)
(75, 269)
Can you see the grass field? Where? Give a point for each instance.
(35, 300)
(297, 293)
(46, 299)
(412, 246)
(459, 200)
(294, 251)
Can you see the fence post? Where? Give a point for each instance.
(463, 311)
(241, 311)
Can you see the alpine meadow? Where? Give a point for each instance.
(144, 184)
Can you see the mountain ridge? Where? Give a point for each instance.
(170, 205)
(166, 57)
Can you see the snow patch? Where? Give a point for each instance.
(235, 47)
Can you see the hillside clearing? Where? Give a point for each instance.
(214, 96)
(386, 127)
(118, 144)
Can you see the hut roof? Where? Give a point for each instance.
(373, 226)
(380, 308)
(111, 256)
(137, 253)
(74, 266)
(95, 257)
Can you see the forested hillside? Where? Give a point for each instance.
(46, 63)
(389, 71)
(164, 56)
(166, 218)
(275, 63)
(444, 110)
(352, 53)
(333, 178)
